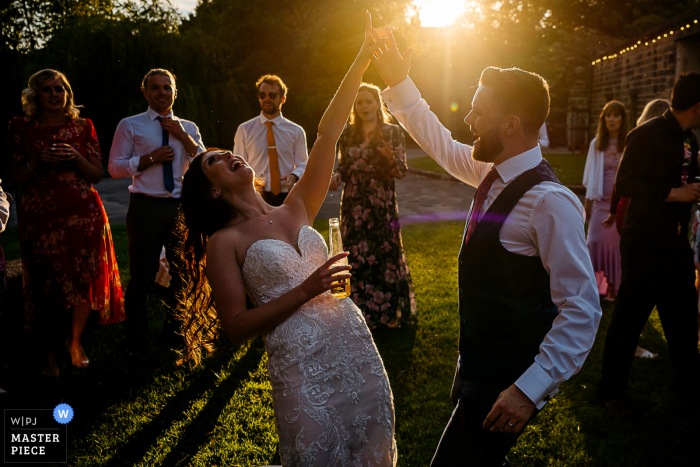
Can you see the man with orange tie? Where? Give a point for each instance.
(273, 146)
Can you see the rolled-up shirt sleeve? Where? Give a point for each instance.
(557, 229)
(122, 160)
(301, 154)
(413, 113)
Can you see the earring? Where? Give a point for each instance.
(217, 192)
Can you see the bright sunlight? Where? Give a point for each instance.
(439, 13)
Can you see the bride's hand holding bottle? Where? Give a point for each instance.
(322, 279)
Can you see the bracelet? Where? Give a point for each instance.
(151, 158)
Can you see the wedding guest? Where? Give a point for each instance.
(371, 156)
(528, 305)
(273, 146)
(657, 172)
(67, 253)
(154, 148)
(618, 204)
(603, 158)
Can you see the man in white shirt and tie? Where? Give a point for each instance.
(272, 145)
(155, 148)
(528, 303)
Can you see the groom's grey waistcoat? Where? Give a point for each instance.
(505, 305)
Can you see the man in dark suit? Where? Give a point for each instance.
(656, 172)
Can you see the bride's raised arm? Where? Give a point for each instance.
(311, 189)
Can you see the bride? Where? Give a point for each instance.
(332, 401)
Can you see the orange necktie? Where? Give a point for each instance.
(275, 186)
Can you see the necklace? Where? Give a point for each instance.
(269, 215)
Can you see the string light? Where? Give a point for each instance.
(639, 42)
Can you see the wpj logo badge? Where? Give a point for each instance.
(37, 435)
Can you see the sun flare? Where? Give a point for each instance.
(439, 13)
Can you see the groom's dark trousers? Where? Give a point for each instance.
(505, 309)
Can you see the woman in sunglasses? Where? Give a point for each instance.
(331, 395)
(68, 258)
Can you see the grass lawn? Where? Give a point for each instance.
(153, 413)
(569, 167)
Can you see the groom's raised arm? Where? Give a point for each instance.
(413, 113)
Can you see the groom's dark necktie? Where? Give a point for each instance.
(481, 194)
(168, 179)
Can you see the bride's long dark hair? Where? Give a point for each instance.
(201, 217)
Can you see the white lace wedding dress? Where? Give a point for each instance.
(331, 395)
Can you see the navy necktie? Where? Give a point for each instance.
(168, 179)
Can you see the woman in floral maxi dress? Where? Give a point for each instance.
(68, 258)
(371, 157)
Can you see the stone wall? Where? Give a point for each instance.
(644, 69)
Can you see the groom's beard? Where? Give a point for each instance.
(488, 148)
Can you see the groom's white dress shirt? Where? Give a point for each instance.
(137, 137)
(547, 222)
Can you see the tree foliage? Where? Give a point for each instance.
(106, 46)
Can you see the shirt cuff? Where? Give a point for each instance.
(402, 95)
(537, 385)
(134, 165)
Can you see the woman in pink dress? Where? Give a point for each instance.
(68, 259)
(603, 158)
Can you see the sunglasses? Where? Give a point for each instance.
(57, 89)
(272, 95)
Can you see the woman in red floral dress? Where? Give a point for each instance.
(67, 253)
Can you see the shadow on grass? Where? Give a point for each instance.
(196, 433)
(663, 432)
(396, 348)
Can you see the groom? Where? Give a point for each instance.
(528, 303)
